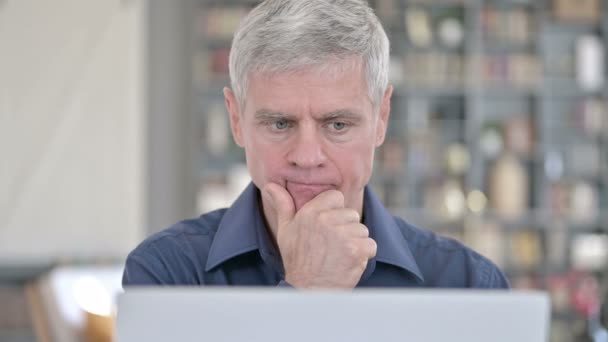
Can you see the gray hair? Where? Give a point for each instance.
(288, 35)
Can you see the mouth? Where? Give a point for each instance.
(308, 187)
(304, 192)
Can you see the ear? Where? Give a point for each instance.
(235, 115)
(383, 115)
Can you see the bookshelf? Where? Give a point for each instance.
(498, 133)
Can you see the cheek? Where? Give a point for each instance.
(356, 164)
(262, 159)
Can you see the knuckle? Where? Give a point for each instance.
(336, 196)
(345, 231)
(373, 246)
(363, 266)
(307, 214)
(354, 214)
(308, 209)
(353, 249)
(324, 218)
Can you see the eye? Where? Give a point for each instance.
(281, 125)
(338, 126)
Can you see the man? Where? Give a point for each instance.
(309, 103)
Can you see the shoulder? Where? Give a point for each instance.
(177, 254)
(446, 262)
(183, 236)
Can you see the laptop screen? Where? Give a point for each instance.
(269, 315)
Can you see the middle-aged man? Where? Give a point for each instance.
(309, 103)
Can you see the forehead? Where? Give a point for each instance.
(310, 90)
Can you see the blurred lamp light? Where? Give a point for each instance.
(458, 159)
(451, 32)
(454, 201)
(491, 142)
(477, 201)
(590, 252)
(91, 296)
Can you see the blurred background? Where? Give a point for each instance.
(113, 127)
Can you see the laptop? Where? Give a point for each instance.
(272, 315)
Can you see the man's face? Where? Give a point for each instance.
(310, 132)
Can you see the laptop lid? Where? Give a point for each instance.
(273, 315)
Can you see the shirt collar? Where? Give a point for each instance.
(393, 248)
(235, 235)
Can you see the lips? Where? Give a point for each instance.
(304, 192)
(308, 188)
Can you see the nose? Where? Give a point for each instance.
(307, 149)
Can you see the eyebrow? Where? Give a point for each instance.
(342, 114)
(266, 114)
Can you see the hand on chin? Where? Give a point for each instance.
(302, 193)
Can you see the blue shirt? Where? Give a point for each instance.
(233, 247)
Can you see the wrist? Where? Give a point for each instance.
(296, 282)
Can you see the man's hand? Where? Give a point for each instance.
(323, 245)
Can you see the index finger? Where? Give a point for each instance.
(329, 199)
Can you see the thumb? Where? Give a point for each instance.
(281, 202)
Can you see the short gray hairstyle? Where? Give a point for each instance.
(288, 35)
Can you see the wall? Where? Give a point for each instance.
(72, 129)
